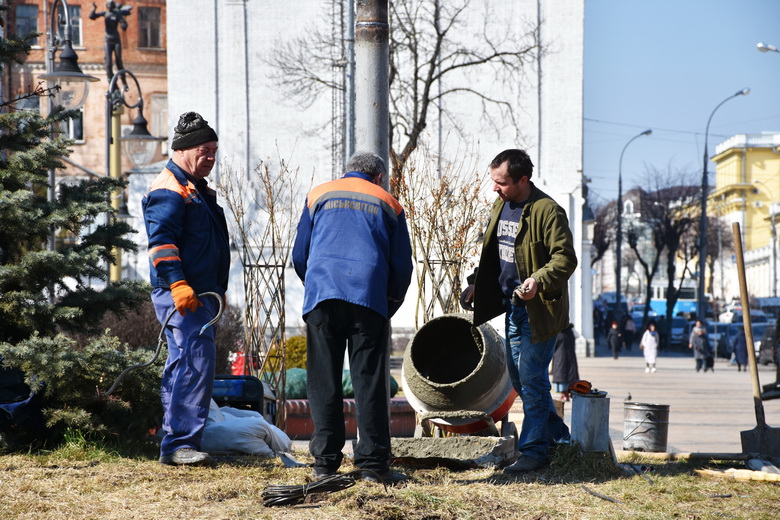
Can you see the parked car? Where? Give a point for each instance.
(679, 331)
(637, 317)
(639, 308)
(715, 330)
(728, 335)
(735, 316)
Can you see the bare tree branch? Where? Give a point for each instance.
(430, 45)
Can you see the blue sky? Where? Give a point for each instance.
(666, 65)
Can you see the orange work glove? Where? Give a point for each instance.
(184, 297)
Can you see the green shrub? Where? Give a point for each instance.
(295, 352)
(73, 380)
(295, 349)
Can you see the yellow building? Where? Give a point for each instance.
(747, 190)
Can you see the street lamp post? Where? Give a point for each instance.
(72, 85)
(766, 47)
(773, 229)
(139, 143)
(701, 302)
(619, 237)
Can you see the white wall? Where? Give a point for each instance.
(219, 70)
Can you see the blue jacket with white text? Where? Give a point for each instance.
(353, 245)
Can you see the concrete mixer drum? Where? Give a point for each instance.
(454, 376)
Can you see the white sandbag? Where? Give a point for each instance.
(243, 431)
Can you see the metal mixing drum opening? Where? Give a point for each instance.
(449, 350)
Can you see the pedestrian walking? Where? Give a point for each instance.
(740, 350)
(628, 331)
(614, 340)
(189, 254)
(353, 254)
(702, 352)
(649, 346)
(527, 259)
(565, 369)
(597, 323)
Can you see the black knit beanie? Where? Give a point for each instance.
(191, 131)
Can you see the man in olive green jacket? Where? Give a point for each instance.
(527, 259)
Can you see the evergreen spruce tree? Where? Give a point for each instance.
(46, 294)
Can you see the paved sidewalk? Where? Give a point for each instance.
(707, 410)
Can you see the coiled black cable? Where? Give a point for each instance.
(290, 495)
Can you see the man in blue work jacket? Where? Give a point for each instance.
(189, 254)
(353, 253)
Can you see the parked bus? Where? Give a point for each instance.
(686, 301)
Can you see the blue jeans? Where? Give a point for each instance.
(528, 365)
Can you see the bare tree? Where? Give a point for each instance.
(719, 243)
(445, 216)
(262, 215)
(603, 231)
(648, 257)
(671, 204)
(429, 48)
(433, 58)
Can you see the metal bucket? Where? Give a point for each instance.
(590, 422)
(646, 426)
(451, 366)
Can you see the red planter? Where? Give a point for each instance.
(300, 427)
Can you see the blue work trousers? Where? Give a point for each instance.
(188, 377)
(528, 364)
(332, 327)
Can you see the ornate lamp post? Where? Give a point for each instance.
(619, 237)
(701, 301)
(139, 143)
(67, 75)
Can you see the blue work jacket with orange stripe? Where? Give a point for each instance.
(353, 245)
(187, 232)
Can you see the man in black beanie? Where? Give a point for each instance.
(189, 254)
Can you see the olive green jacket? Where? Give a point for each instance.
(544, 250)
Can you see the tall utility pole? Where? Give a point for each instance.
(349, 84)
(372, 80)
(701, 300)
(619, 235)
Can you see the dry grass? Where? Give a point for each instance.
(79, 483)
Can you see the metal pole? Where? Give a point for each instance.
(50, 50)
(619, 238)
(115, 103)
(701, 302)
(437, 23)
(349, 84)
(774, 251)
(372, 65)
(372, 98)
(115, 161)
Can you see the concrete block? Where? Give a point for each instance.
(458, 452)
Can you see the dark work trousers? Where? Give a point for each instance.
(330, 327)
(188, 377)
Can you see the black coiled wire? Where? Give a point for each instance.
(290, 495)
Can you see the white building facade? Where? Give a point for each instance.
(218, 53)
